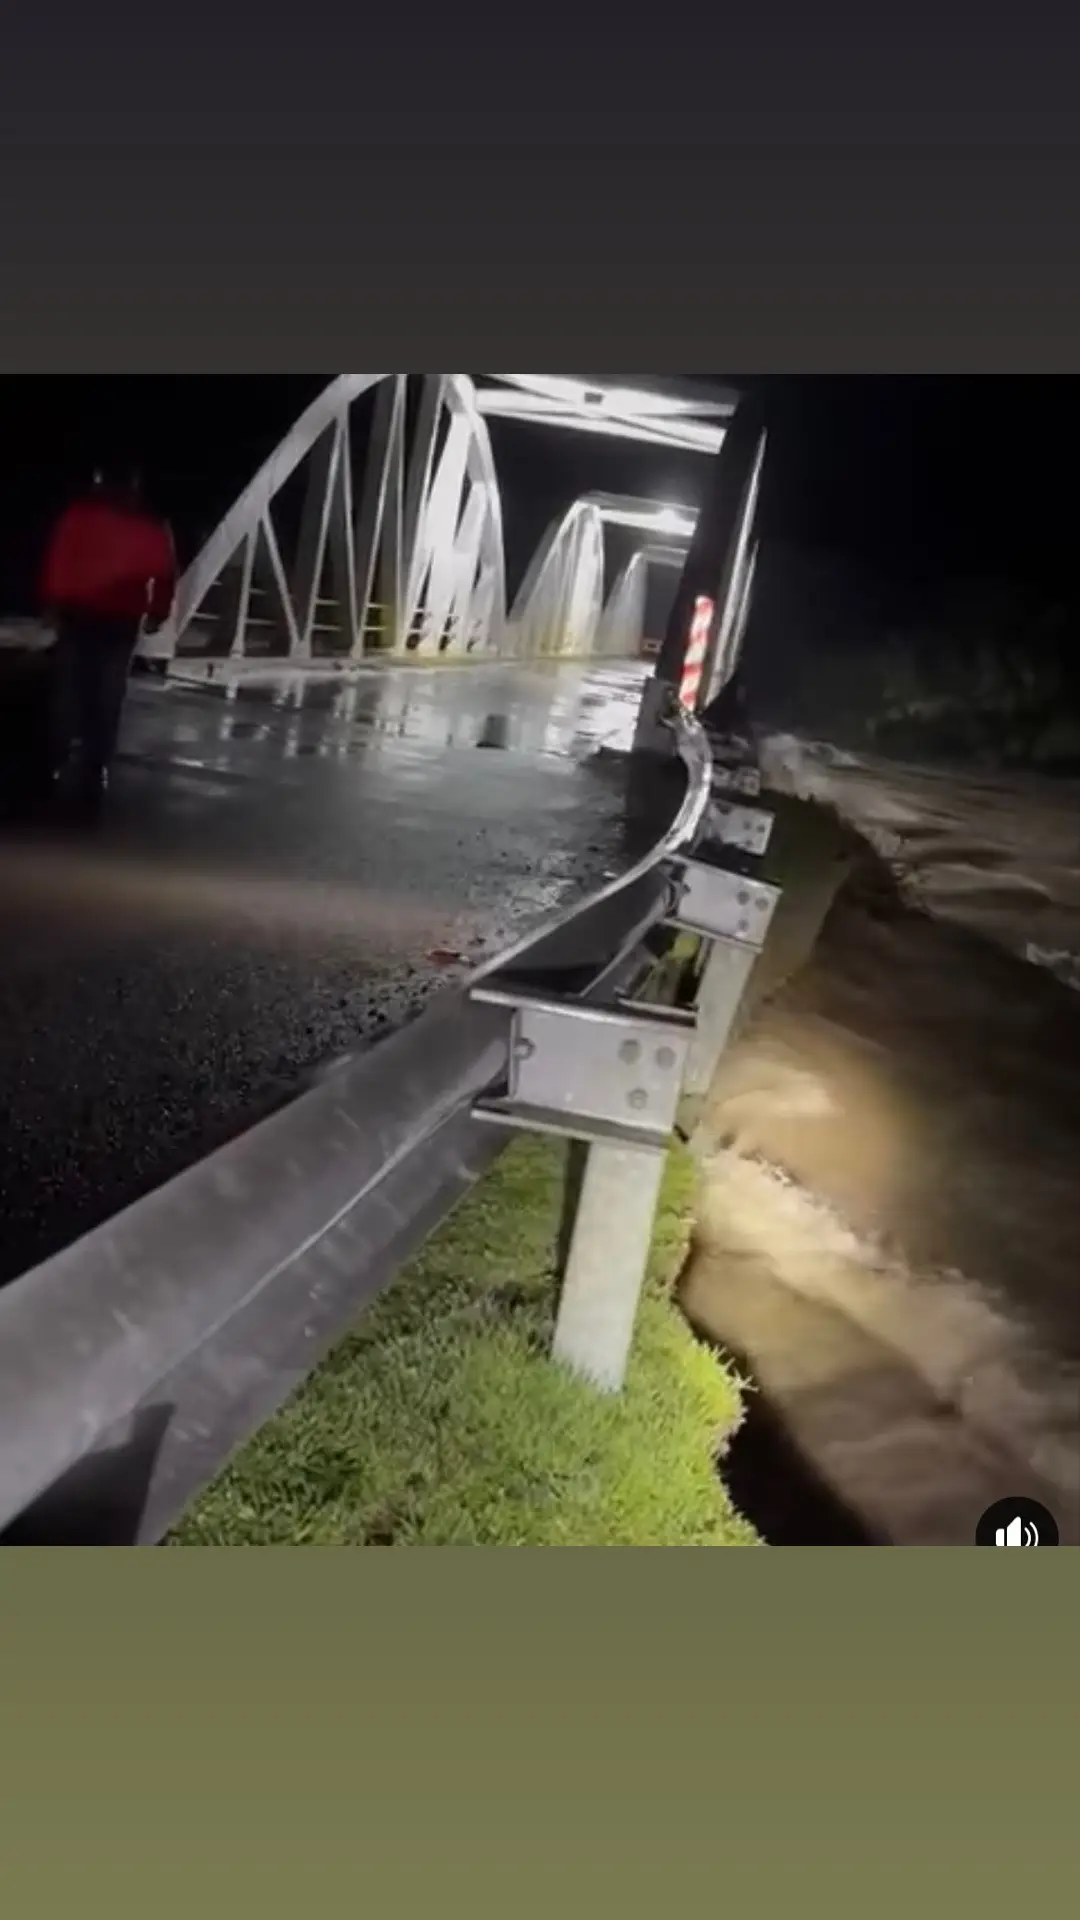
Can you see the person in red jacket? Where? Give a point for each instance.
(109, 569)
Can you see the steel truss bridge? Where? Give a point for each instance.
(374, 530)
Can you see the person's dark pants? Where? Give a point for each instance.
(91, 666)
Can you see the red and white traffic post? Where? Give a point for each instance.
(697, 651)
(701, 616)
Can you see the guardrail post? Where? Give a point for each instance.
(615, 1207)
(609, 1076)
(730, 955)
(612, 1078)
(733, 913)
(723, 982)
(608, 1257)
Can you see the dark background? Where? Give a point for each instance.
(918, 586)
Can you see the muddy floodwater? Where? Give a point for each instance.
(890, 1235)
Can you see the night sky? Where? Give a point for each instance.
(955, 475)
(914, 477)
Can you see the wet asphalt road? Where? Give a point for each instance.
(285, 871)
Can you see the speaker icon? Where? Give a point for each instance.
(1018, 1522)
(1018, 1533)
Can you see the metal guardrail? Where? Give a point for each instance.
(136, 1361)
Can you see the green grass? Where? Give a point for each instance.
(442, 1421)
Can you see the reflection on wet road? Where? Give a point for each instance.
(285, 871)
(295, 716)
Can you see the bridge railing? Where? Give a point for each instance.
(136, 1361)
(382, 644)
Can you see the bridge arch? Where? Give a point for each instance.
(561, 609)
(415, 538)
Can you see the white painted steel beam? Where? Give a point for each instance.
(649, 415)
